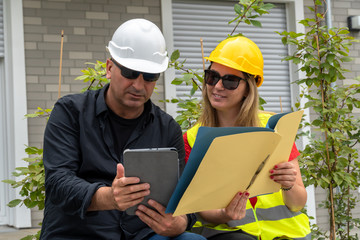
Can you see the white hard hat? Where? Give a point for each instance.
(138, 44)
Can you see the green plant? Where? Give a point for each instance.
(94, 76)
(32, 187)
(330, 160)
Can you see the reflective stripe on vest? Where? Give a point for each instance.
(271, 218)
(276, 220)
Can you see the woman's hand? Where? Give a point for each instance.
(288, 175)
(285, 174)
(235, 210)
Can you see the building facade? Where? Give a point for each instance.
(30, 63)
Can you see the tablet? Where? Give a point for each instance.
(157, 166)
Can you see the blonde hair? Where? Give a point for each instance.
(248, 107)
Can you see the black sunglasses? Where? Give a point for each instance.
(229, 81)
(131, 74)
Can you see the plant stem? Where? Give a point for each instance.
(238, 22)
(323, 96)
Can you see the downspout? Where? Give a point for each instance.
(329, 25)
(328, 14)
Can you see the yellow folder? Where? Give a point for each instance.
(231, 162)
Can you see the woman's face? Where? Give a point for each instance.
(223, 99)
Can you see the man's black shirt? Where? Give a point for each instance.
(80, 156)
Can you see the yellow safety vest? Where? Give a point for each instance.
(270, 219)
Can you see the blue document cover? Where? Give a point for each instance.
(204, 138)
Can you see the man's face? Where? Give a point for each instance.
(126, 97)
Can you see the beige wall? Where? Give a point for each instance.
(88, 26)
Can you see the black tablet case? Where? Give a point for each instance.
(157, 166)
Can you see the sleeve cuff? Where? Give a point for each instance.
(87, 201)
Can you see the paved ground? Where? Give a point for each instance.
(9, 233)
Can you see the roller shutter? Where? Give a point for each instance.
(209, 21)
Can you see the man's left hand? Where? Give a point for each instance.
(162, 223)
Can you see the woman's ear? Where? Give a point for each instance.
(257, 79)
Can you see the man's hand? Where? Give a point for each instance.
(127, 191)
(162, 223)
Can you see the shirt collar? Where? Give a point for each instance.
(100, 101)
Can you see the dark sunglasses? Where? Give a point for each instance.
(229, 81)
(131, 74)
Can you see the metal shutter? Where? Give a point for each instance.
(209, 20)
(1, 29)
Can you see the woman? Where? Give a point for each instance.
(231, 99)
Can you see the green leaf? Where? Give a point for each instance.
(192, 91)
(177, 81)
(255, 23)
(296, 60)
(320, 15)
(9, 181)
(33, 150)
(330, 58)
(238, 9)
(347, 59)
(338, 179)
(344, 31)
(175, 55)
(317, 122)
(82, 77)
(310, 104)
(332, 32)
(31, 204)
(311, 9)
(268, 6)
(14, 203)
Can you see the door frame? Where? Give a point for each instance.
(15, 124)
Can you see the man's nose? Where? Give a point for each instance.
(139, 82)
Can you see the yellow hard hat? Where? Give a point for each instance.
(242, 54)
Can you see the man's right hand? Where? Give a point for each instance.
(127, 191)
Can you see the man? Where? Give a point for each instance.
(86, 191)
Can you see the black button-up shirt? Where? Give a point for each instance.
(80, 157)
